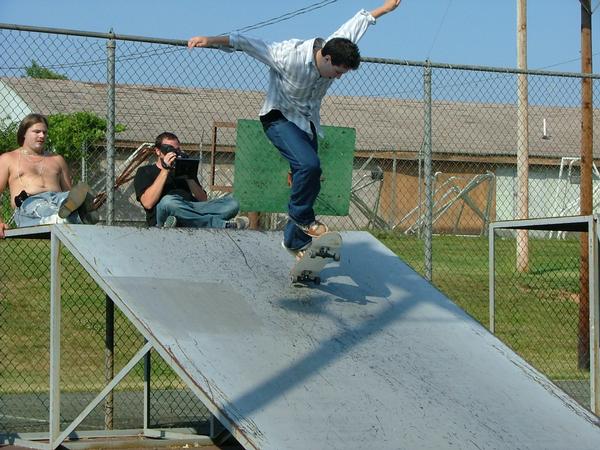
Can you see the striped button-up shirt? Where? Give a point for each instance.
(295, 86)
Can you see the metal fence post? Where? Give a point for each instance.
(84, 158)
(147, 389)
(55, 321)
(492, 278)
(110, 181)
(428, 231)
(594, 319)
(110, 129)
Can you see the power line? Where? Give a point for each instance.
(588, 9)
(439, 28)
(157, 52)
(154, 52)
(274, 20)
(100, 62)
(284, 17)
(583, 5)
(565, 62)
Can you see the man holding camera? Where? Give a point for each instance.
(171, 200)
(40, 182)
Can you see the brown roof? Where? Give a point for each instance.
(382, 124)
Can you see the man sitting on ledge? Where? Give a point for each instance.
(40, 182)
(171, 200)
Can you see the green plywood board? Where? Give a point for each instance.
(261, 172)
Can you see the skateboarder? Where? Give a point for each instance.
(300, 72)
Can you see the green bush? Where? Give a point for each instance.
(8, 135)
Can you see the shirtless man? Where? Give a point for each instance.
(40, 183)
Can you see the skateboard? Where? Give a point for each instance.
(322, 251)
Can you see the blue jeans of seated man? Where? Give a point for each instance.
(300, 150)
(42, 209)
(208, 214)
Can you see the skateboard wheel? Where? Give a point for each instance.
(317, 280)
(336, 257)
(312, 254)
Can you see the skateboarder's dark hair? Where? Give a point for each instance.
(343, 52)
(162, 136)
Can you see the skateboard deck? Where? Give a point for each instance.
(323, 250)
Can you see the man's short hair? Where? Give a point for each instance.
(343, 52)
(28, 121)
(162, 136)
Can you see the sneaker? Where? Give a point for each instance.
(88, 210)
(314, 229)
(296, 253)
(74, 200)
(238, 223)
(170, 222)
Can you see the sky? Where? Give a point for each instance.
(472, 32)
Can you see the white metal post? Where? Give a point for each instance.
(492, 278)
(55, 316)
(594, 316)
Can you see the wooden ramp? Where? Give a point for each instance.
(373, 358)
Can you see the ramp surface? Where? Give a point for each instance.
(373, 358)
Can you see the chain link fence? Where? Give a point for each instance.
(434, 162)
(24, 342)
(542, 311)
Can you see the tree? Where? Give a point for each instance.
(37, 71)
(8, 136)
(71, 134)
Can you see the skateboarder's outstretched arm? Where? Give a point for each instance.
(223, 42)
(388, 6)
(208, 41)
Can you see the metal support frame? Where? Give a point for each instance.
(55, 316)
(372, 214)
(586, 224)
(205, 349)
(214, 147)
(564, 206)
(55, 436)
(451, 193)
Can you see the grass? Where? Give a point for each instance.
(25, 325)
(536, 311)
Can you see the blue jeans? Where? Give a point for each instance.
(300, 150)
(208, 214)
(42, 209)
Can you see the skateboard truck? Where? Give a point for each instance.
(324, 252)
(306, 277)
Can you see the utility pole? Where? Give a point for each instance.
(522, 138)
(586, 205)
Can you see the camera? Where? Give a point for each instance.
(183, 166)
(19, 199)
(166, 148)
